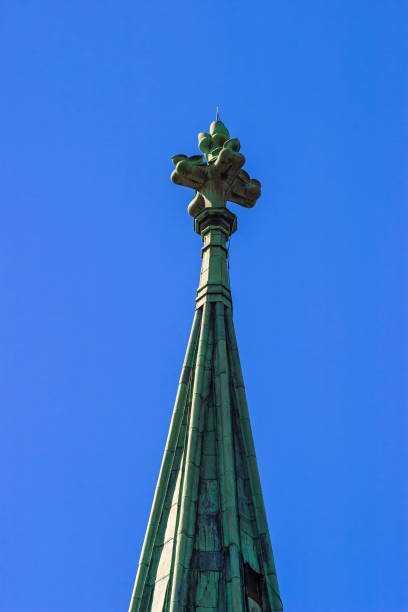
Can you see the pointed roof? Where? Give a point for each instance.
(207, 544)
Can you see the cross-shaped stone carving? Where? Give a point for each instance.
(218, 179)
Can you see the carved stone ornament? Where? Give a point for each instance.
(219, 177)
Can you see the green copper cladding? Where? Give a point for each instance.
(207, 545)
(220, 177)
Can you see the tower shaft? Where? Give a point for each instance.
(207, 544)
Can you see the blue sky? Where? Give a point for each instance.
(99, 267)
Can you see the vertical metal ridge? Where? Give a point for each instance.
(253, 472)
(184, 541)
(166, 468)
(229, 509)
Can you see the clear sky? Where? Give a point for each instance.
(100, 264)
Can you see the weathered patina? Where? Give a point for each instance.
(219, 177)
(207, 544)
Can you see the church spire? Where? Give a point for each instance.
(207, 544)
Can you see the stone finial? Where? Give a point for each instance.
(219, 177)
